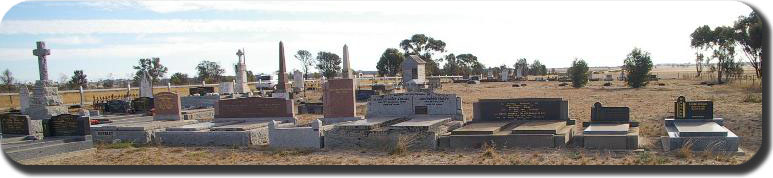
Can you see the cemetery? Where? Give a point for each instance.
(519, 115)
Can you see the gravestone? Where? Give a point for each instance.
(610, 128)
(416, 103)
(505, 75)
(521, 109)
(339, 101)
(146, 88)
(520, 122)
(142, 104)
(241, 74)
(298, 82)
(346, 69)
(518, 73)
(24, 99)
(118, 106)
(45, 101)
(694, 126)
(413, 77)
(693, 109)
(68, 125)
(22, 125)
(251, 108)
(198, 102)
(167, 107)
(281, 86)
(226, 88)
(201, 90)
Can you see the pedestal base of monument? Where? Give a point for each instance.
(416, 132)
(32, 149)
(611, 136)
(700, 135)
(233, 132)
(140, 131)
(504, 134)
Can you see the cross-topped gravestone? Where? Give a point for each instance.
(241, 74)
(41, 52)
(693, 109)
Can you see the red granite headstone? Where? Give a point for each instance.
(339, 98)
(167, 106)
(254, 107)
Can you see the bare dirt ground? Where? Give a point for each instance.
(739, 106)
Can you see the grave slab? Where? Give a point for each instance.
(698, 129)
(481, 128)
(539, 127)
(607, 128)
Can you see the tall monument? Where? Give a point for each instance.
(241, 74)
(45, 101)
(346, 70)
(281, 86)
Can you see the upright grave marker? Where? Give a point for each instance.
(21, 125)
(167, 107)
(68, 125)
(24, 99)
(610, 128)
(45, 101)
(241, 74)
(146, 88)
(694, 124)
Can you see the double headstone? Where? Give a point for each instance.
(68, 125)
(16, 124)
(530, 109)
(167, 107)
(416, 103)
(694, 125)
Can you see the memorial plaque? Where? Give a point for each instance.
(617, 114)
(253, 107)
(390, 105)
(522, 109)
(142, 104)
(420, 110)
(13, 124)
(68, 125)
(339, 98)
(693, 109)
(167, 106)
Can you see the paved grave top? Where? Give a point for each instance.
(482, 128)
(607, 128)
(539, 127)
(699, 129)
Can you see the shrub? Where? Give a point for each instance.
(638, 65)
(578, 73)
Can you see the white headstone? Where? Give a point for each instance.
(518, 73)
(226, 88)
(298, 80)
(146, 89)
(24, 99)
(80, 91)
(169, 87)
(505, 74)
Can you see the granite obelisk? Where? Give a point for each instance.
(346, 70)
(281, 86)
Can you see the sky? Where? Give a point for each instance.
(105, 39)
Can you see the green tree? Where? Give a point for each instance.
(152, 66)
(749, 36)
(209, 71)
(425, 46)
(523, 65)
(389, 63)
(8, 79)
(578, 73)
(537, 68)
(78, 79)
(451, 67)
(306, 61)
(328, 64)
(251, 76)
(179, 79)
(721, 42)
(637, 65)
(699, 58)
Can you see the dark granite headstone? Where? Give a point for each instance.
(142, 104)
(201, 90)
(522, 109)
(118, 106)
(254, 107)
(67, 125)
(616, 114)
(693, 109)
(20, 124)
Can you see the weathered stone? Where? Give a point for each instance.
(167, 107)
(226, 88)
(412, 104)
(146, 88)
(198, 102)
(295, 137)
(241, 74)
(24, 99)
(254, 107)
(339, 98)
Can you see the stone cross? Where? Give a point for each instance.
(41, 52)
(80, 90)
(346, 69)
(281, 88)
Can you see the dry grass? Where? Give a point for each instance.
(649, 105)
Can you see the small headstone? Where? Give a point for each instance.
(505, 75)
(80, 91)
(613, 114)
(298, 82)
(142, 104)
(167, 106)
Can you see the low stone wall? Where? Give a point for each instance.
(283, 137)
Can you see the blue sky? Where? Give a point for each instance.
(106, 38)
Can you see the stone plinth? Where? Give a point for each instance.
(45, 101)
